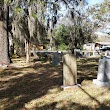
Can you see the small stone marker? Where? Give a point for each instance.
(103, 77)
(78, 53)
(69, 71)
(56, 59)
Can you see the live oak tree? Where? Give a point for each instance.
(26, 26)
(99, 14)
(80, 29)
(4, 41)
(70, 5)
(31, 20)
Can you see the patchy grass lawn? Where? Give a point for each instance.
(37, 86)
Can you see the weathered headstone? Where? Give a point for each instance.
(103, 77)
(69, 71)
(78, 53)
(107, 69)
(56, 59)
(86, 54)
(101, 68)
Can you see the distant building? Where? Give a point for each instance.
(103, 44)
(102, 40)
(92, 46)
(89, 46)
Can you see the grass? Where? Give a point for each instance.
(37, 86)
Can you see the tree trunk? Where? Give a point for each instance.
(34, 52)
(51, 36)
(4, 41)
(27, 51)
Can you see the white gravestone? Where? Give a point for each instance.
(103, 77)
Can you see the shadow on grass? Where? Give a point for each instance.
(20, 89)
(100, 106)
(71, 106)
(67, 106)
(87, 60)
(87, 69)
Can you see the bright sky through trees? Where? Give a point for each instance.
(93, 2)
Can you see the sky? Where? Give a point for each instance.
(93, 2)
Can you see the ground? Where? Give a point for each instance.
(37, 86)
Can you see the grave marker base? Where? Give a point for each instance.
(101, 83)
(71, 87)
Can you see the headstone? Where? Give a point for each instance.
(103, 77)
(86, 54)
(69, 71)
(101, 71)
(56, 59)
(78, 53)
(107, 69)
(107, 53)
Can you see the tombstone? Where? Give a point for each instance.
(101, 68)
(86, 54)
(69, 71)
(107, 53)
(107, 69)
(103, 77)
(78, 53)
(56, 59)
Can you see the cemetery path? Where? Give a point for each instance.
(37, 86)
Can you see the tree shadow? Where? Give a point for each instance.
(87, 60)
(101, 106)
(71, 106)
(26, 87)
(66, 106)
(22, 88)
(87, 70)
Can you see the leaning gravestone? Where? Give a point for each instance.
(56, 59)
(69, 71)
(103, 77)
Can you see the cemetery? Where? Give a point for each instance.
(38, 86)
(54, 55)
